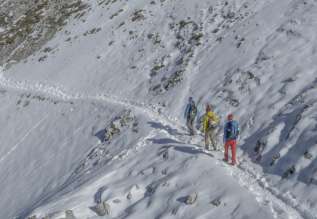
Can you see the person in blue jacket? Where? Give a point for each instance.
(190, 115)
(231, 133)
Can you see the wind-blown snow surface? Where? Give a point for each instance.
(254, 58)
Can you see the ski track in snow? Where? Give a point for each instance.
(14, 147)
(245, 177)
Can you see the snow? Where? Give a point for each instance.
(255, 58)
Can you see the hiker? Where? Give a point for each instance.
(231, 133)
(211, 122)
(190, 115)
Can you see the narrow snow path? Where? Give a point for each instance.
(62, 94)
(257, 186)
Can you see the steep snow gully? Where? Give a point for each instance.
(244, 174)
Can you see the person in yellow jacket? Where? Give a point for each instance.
(211, 121)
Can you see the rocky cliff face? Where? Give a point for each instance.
(27, 25)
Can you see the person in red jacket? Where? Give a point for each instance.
(231, 133)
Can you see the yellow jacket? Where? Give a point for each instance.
(210, 116)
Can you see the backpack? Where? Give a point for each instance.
(211, 124)
(231, 131)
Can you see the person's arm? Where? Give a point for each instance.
(214, 118)
(224, 133)
(238, 129)
(217, 120)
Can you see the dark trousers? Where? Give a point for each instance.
(190, 125)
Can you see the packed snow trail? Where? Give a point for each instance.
(61, 93)
(258, 186)
(295, 208)
(244, 178)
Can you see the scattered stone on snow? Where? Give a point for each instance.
(216, 202)
(308, 155)
(290, 171)
(191, 199)
(102, 209)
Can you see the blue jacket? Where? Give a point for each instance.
(188, 109)
(234, 132)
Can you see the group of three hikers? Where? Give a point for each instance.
(210, 125)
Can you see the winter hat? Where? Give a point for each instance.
(230, 116)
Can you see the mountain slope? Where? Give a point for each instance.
(253, 58)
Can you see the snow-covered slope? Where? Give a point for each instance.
(129, 67)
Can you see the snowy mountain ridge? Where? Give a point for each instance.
(126, 69)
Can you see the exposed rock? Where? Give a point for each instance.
(290, 171)
(100, 154)
(138, 16)
(191, 199)
(261, 57)
(129, 196)
(216, 202)
(229, 15)
(102, 209)
(150, 190)
(69, 214)
(308, 155)
(260, 145)
(188, 37)
(274, 158)
(165, 155)
(125, 119)
(32, 23)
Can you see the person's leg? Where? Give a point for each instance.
(206, 141)
(213, 138)
(191, 126)
(233, 151)
(226, 151)
(210, 139)
(188, 124)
